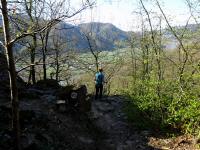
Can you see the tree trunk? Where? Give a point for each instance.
(43, 55)
(12, 76)
(57, 65)
(44, 63)
(32, 69)
(44, 52)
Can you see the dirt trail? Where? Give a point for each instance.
(107, 115)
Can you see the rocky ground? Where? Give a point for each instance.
(105, 127)
(107, 115)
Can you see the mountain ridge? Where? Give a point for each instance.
(103, 36)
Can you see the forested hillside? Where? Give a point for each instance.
(49, 77)
(106, 36)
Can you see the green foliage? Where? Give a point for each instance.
(184, 112)
(164, 104)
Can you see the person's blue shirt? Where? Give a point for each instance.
(99, 78)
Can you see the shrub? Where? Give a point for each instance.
(165, 104)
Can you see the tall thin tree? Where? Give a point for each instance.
(12, 75)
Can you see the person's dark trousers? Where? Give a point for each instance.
(99, 90)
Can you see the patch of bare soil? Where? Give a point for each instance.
(182, 142)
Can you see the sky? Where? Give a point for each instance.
(121, 12)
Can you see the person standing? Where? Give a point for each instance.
(99, 80)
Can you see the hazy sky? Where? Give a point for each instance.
(120, 12)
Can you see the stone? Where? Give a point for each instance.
(79, 100)
(5, 81)
(104, 107)
(29, 94)
(63, 92)
(6, 139)
(145, 133)
(85, 140)
(48, 98)
(3, 68)
(46, 84)
(60, 105)
(27, 141)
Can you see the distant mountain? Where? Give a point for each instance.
(71, 35)
(108, 36)
(104, 36)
